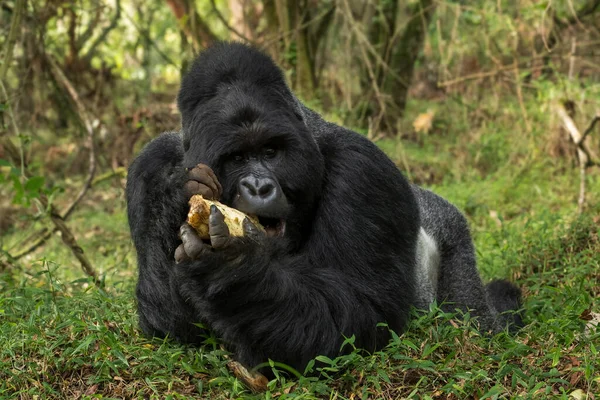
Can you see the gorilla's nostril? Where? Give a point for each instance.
(266, 189)
(247, 184)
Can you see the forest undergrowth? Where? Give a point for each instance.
(62, 337)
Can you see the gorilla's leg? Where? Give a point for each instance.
(459, 285)
(506, 298)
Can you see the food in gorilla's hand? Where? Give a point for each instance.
(200, 212)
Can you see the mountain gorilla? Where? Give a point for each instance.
(349, 243)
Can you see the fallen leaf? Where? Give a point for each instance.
(424, 122)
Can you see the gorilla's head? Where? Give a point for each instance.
(247, 126)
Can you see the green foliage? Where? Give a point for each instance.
(24, 189)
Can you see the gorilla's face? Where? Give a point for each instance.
(258, 190)
(264, 156)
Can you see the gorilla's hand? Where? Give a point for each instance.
(192, 247)
(202, 180)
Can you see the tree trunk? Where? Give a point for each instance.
(191, 23)
(301, 33)
(399, 54)
(404, 58)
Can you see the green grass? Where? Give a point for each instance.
(60, 337)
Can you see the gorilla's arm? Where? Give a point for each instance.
(155, 192)
(270, 305)
(156, 206)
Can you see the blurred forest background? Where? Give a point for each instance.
(87, 83)
(493, 104)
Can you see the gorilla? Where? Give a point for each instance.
(348, 244)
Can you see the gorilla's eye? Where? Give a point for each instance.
(270, 152)
(237, 157)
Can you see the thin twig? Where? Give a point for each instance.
(44, 234)
(66, 234)
(87, 123)
(572, 58)
(143, 33)
(101, 38)
(520, 97)
(590, 127)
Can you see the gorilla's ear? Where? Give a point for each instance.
(298, 110)
(223, 64)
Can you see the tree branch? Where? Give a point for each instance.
(89, 30)
(66, 234)
(590, 127)
(587, 9)
(44, 234)
(100, 39)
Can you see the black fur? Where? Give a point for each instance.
(347, 260)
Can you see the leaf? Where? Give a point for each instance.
(324, 359)
(384, 376)
(429, 349)
(34, 184)
(5, 163)
(492, 393)
(18, 188)
(577, 394)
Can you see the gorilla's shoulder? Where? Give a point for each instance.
(331, 137)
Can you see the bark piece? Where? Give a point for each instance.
(200, 212)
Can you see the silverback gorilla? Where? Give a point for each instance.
(349, 243)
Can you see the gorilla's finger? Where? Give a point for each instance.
(211, 173)
(192, 187)
(180, 255)
(217, 229)
(204, 175)
(251, 231)
(192, 244)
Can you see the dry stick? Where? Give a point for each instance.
(582, 153)
(69, 240)
(44, 233)
(572, 58)
(57, 220)
(520, 96)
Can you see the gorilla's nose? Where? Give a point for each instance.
(258, 191)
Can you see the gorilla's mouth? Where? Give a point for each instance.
(273, 226)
